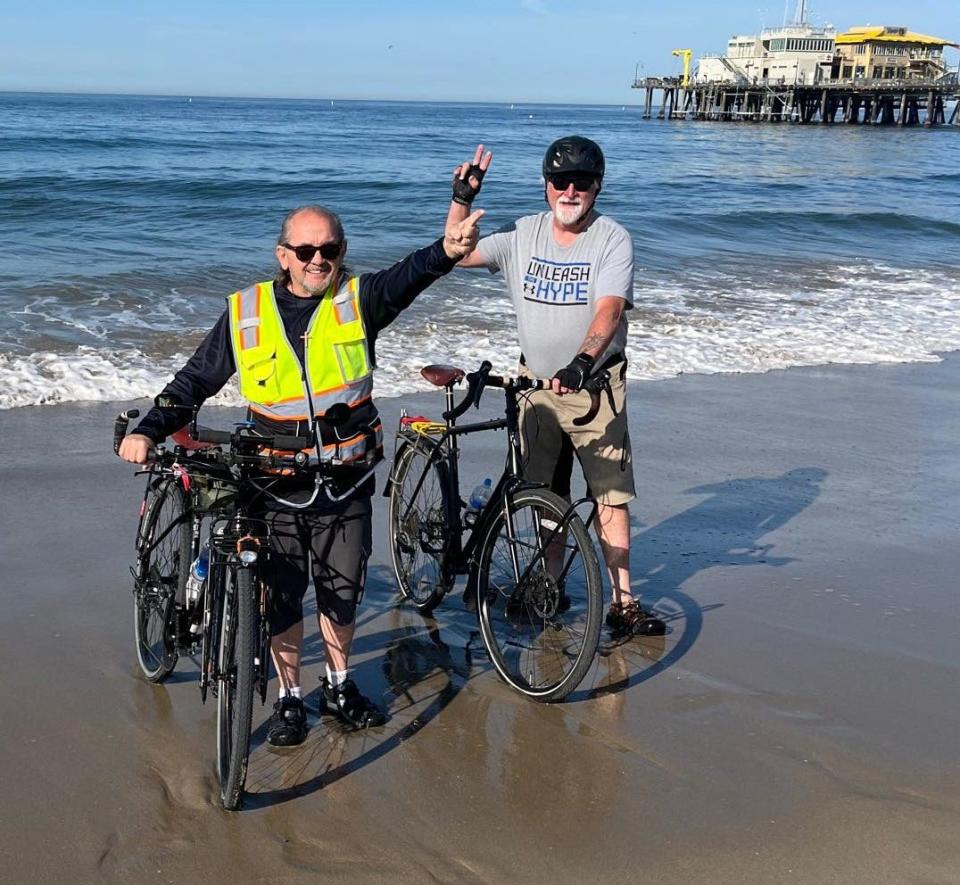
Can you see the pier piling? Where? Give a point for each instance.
(886, 103)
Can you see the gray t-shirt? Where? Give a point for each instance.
(555, 288)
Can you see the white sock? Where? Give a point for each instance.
(293, 691)
(336, 677)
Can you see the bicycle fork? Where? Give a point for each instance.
(543, 546)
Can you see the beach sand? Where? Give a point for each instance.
(799, 723)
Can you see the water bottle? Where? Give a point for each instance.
(198, 576)
(478, 500)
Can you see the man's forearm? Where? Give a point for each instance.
(456, 213)
(606, 321)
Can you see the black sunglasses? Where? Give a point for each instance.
(579, 182)
(329, 251)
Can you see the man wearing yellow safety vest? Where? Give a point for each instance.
(314, 323)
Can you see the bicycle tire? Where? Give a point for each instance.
(163, 566)
(542, 636)
(419, 527)
(238, 639)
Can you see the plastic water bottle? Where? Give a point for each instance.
(479, 497)
(198, 576)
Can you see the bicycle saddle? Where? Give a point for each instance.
(441, 376)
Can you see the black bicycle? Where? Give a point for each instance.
(197, 505)
(532, 569)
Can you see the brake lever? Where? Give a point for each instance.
(602, 383)
(481, 377)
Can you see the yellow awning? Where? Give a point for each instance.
(877, 35)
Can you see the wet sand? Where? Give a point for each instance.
(799, 723)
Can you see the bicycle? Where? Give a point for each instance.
(198, 496)
(532, 570)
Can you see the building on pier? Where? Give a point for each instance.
(885, 53)
(795, 53)
(799, 73)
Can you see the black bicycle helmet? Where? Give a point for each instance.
(574, 153)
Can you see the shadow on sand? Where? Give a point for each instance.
(725, 529)
(420, 671)
(416, 677)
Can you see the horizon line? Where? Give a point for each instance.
(330, 98)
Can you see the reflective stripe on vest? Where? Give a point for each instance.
(336, 353)
(352, 448)
(336, 453)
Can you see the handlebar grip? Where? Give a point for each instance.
(293, 443)
(456, 412)
(595, 386)
(120, 427)
(206, 434)
(591, 412)
(279, 441)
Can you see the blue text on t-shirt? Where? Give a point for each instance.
(556, 282)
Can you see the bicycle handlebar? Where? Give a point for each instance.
(245, 450)
(277, 441)
(198, 449)
(477, 381)
(120, 427)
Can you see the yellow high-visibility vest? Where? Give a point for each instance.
(336, 353)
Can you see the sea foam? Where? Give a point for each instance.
(716, 322)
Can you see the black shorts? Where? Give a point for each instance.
(333, 545)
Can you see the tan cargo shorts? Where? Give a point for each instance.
(602, 446)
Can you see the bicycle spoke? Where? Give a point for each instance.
(164, 539)
(418, 528)
(541, 599)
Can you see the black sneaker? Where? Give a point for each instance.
(351, 707)
(632, 620)
(288, 724)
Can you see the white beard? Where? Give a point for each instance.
(568, 213)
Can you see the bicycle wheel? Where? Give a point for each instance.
(163, 565)
(238, 639)
(540, 599)
(419, 527)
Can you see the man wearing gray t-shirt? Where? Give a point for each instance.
(570, 275)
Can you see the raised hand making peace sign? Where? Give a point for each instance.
(468, 176)
(460, 237)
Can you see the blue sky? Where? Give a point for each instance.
(504, 50)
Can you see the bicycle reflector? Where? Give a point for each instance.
(248, 549)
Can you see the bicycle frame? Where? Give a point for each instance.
(461, 557)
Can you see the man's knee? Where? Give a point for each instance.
(340, 611)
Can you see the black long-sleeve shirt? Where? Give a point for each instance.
(383, 295)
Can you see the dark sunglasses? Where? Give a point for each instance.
(329, 251)
(579, 182)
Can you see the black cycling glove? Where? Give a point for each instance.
(576, 374)
(463, 191)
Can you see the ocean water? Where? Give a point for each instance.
(124, 221)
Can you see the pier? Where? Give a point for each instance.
(882, 103)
